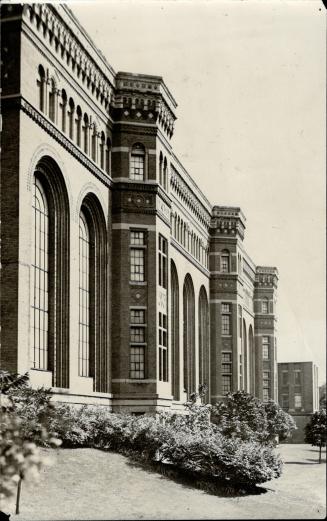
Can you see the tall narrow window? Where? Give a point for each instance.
(162, 254)
(78, 125)
(160, 168)
(102, 148)
(165, 174)
(163, 348)
(86, 134)
(225, 318)
(41, 86)
(63, 110)
(266, 385)
(94, 144)
(84, 297)
(265, 348)
(137, 343)
(225, 262)
(264, 306)
(297, 377)
(137, 256)
(52, 101)
(71, 118)
(40, 274)
(137, 163)
(108, 152)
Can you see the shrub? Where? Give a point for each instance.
(316, 430)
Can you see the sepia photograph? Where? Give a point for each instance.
(163, 260)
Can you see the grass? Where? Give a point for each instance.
(94, 485)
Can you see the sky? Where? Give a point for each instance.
(249, 78)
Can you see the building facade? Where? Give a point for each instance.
(121, 284)
(298, 393)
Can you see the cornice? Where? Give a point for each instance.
(56, 134)
(185, 192)
(189, 257)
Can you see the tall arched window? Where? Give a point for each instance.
(225, 262)
(94, 143)
(204, 353)
(165, 174)
(175, 371)
(189, 336)
(137, 164)
(160, 168)
(108, 156)
(252, 362)
(93, 335)
(52, 100)
(86, 134)
(78, 125)
(63, 110)
(50, 273)
(102, 145)
(244, 359)
(40, 276)
(84, 298)
(71, 118)
(41, 86)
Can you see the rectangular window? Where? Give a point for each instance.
(226, 384)
(226, 357)
(137, 316)
(137, 238)
(265, 395)
(137, 362)
(297, 401)
(225, 318)
(137, 256)
(285, 401)
(163, 348)
(137, 167)
(226, 368)
(265, 348)
(264, 306)
(225, 263)
(285, 378)
(137, 334)
(297, 377)
(163, 250)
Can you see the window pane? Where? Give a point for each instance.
(137, 316)
(226, 384)
(137, 362)
(84, 297)
(225, 325)
(226, 357)
(137, 265)
(137, 167)
(137, 334)
(137, 238)
(225, 308)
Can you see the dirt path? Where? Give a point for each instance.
(94, 485)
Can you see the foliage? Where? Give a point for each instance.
(247, 418)
(10, 381)
(316, 430)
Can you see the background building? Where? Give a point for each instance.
(121, 284)
(298, 393)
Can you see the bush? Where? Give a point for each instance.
(247, 418)
(190, 443)
(316, 430)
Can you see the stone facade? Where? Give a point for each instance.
(298, 393)
(121, 284)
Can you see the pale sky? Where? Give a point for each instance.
(249, 78)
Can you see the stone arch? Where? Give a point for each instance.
(189, 378)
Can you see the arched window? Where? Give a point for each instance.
(175, 332)
(84, 298)
(78, 125)
(108, 156)
(244, 359)
(41, 87)
(94, 143)
(204, 352)
(188, 336)
(71, 118)
(165, 174)
(137, 164)
(40, 275)
(265, 306)
(50, 269)
(160, 168)
(102, 145)
(86, 134)
(252, 362)
(225, 262)
(63, 110)
(52, 100)
(93, 335)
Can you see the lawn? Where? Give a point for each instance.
(95, 485)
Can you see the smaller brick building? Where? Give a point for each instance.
(298, 393)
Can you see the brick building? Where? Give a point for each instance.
(121, 284)
(298, 393)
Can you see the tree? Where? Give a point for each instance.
(316, 430)
(243, 416)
